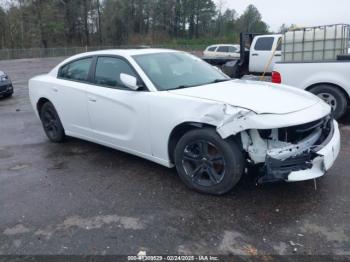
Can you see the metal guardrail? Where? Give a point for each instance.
(8, 54)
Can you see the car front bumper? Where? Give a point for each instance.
(325, 159)
(308, 159)
(6, 88)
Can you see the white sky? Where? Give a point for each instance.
(299, 12)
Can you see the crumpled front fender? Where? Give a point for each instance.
(231, 120)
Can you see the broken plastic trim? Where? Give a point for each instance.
(293, 150)
(278, 168)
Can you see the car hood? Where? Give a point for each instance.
(260, 97)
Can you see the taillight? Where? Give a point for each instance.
(276, 77)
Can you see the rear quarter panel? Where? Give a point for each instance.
(39, 87)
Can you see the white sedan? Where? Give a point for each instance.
(222, 51)
(174, 109)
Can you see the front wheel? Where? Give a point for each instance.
(207, 163)
(52, 123)
(332, 96)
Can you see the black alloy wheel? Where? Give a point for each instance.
(207, 163)
(204, 163)
(52, 123)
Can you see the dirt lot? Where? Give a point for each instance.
(82, 198)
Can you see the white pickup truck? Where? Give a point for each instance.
(316, 59)
(328, 80)
(258, 54)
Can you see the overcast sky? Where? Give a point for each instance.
(299, 12)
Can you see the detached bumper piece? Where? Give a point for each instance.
(279, 170)
(303, 157)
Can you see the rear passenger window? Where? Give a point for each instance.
(108, 70)
(233, 49)
(223, 49)
(212, 49)
(77, 70)
(264, 44)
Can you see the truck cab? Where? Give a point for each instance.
(265, 51)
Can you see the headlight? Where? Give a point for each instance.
(3, 78)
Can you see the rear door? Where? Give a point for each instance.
(70, 96)
(234, 51)
(261, 53)
(222, 51)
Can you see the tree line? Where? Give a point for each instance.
(57, 23)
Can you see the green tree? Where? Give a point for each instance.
(52, 23)
(251, 21)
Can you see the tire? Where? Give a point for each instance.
(51, 123)
(207, 163)
(334, 97)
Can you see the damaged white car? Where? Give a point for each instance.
(174, 109)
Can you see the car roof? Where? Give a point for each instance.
(119, 52)
(218, 45)
(126, 52)
(111, 52)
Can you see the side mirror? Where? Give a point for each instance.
(129, 81)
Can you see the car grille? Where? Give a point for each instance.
(4, 88)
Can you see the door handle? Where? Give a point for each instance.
(92, 99)
(278, 55)
(255, 54)
(54, 89)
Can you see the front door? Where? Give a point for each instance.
(118, 115)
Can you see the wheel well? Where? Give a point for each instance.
(178, 132)
(40, 103)
(346, 95)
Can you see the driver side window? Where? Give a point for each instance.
(108, 70)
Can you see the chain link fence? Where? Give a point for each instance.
(8, 54)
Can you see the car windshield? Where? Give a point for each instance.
(176, 70)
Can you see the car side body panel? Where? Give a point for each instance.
(120, 117)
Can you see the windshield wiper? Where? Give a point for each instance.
(212, 82)
(182, 87)
(219, 81)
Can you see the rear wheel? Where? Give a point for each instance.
(332, 96)
(52, 123)
(207, 163)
